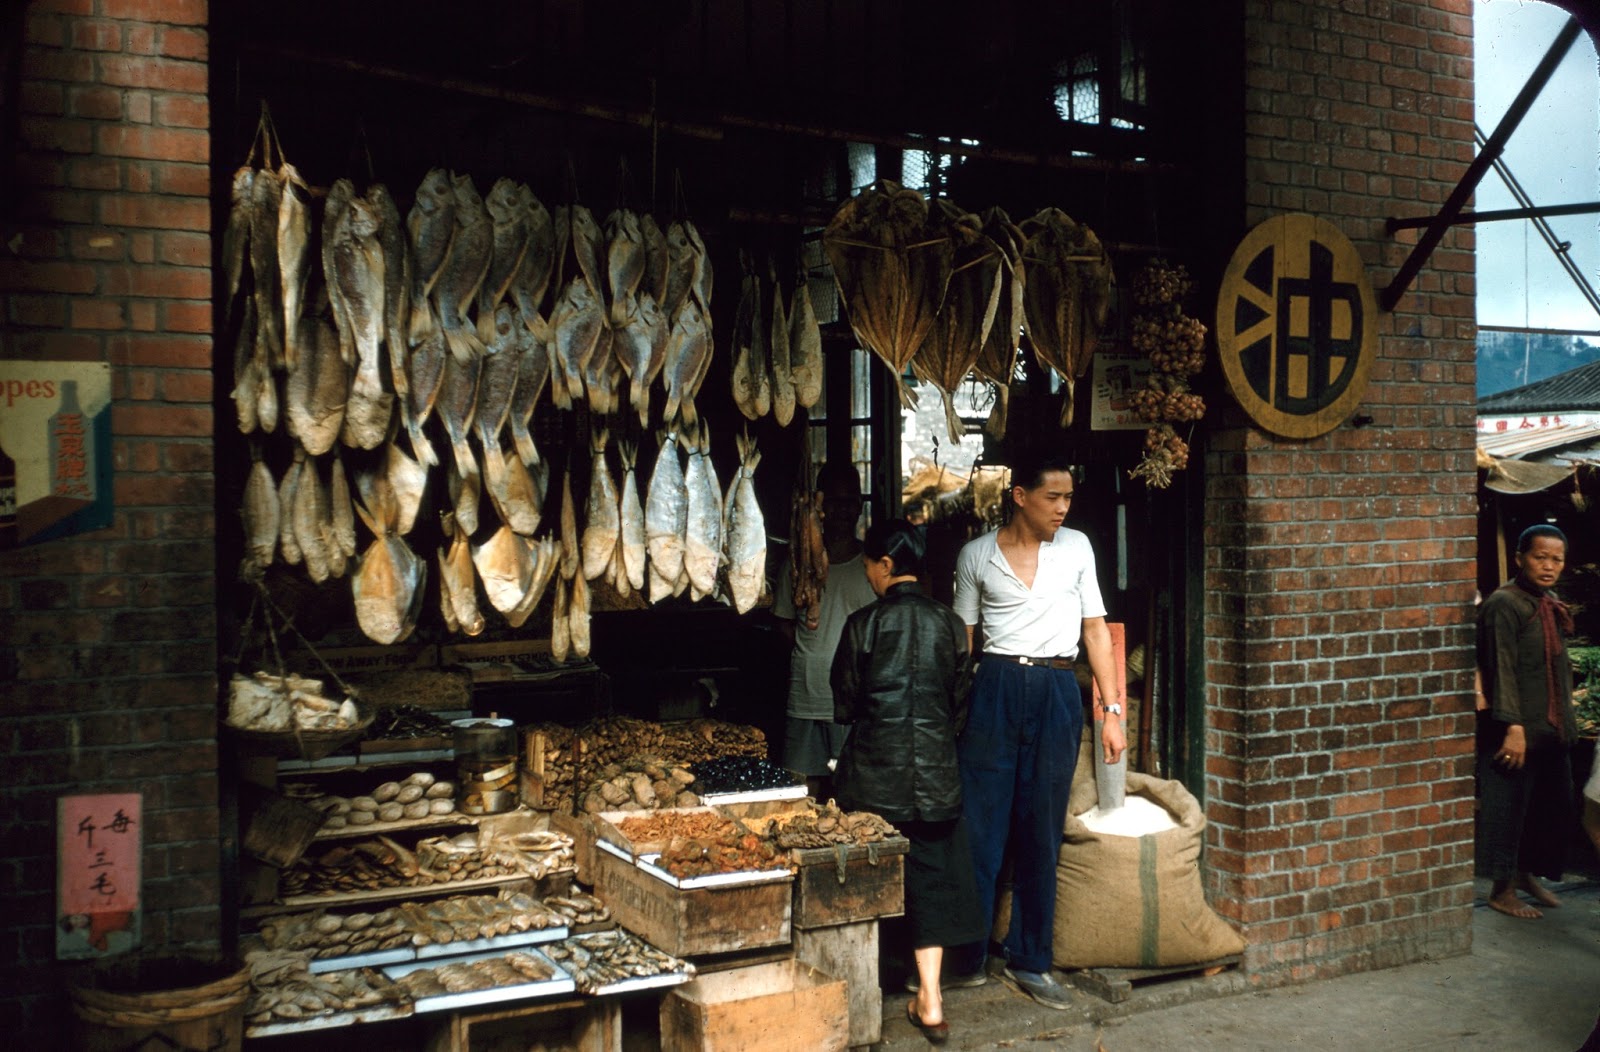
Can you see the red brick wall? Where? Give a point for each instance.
(1339, 570)
(109, 654)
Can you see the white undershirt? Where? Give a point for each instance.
(1043, 621)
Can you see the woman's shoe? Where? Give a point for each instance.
(936, 1033)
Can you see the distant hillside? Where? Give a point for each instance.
(1511, 359)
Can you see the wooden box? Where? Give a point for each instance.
(869, 884)
(783, 1006)
(589, 1026)
(687, 922)
(849, 951)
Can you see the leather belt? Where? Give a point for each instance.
(1042, 662)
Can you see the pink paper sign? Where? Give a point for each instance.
(99, 843)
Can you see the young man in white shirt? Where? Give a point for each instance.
(1032, 585)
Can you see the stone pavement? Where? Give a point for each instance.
(1527, 986)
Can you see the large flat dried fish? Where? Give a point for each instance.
(425, 365)
(602, 375)
(471, 251)
(601, 522)
(578, 617)
(641, 350)
(702, 549)
(407, 480)
(957, 336)
(631, 544)
(260, 512)
(311, 521)
(624, 264)
(571, 549)
(1067, 295)
(805, 346)
(456, 569)
(688, 349)
(286, 491)
(700, 287)
(516, 490)
(359, 276)
(497, 378)
(266, 194)
(782, 368)
(747, 340)
(560, 622)
(533, 278)
(533, 372)
(546, 556)
(505, 566)
(431, 227)
(681, 263)
(589, 249)
(655, 258)
(236, 236)
(246, 379)
(318, 387)
(457, 401)
(341, 514)
(388, 587)
(666, 517)
(396, 291)
(334, 215)
(294, 252)
(508, 215)
(746, 532)
(578, 322)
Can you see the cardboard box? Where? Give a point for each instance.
(783, 1006)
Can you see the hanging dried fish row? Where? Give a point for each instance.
(1067, 296)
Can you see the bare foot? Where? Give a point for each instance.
(1538, 892)
(1508, 903)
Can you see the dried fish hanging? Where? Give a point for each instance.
(956, 339)
(998, 359)
(1067, 295)
(892, 262)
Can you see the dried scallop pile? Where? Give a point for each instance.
(825, 826)
(418, 795)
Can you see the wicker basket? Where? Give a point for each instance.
(206, 1016)
(298, 744)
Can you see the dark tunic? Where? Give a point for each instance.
(899, 679)
(1525, 815)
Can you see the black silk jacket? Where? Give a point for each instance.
(900, 678)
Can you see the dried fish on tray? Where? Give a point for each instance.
(437, 986)
(286, 996)
(580, 909)
(616, 962)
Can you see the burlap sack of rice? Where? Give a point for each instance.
(1137, 901)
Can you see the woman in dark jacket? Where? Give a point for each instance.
(900, 679)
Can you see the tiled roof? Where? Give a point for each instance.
(1574, 390)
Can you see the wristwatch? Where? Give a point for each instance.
(1113, 709)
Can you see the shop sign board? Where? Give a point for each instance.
(1297, 326)
(1117, 374)
(98, 847)
(55, 450)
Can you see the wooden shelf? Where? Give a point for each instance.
(405, 825)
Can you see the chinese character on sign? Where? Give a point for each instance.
(69, 471)
(97, 894)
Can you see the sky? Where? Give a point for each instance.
(1554, 154)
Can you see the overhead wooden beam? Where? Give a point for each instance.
(1486, 157)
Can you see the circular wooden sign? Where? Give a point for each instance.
(1297, 326)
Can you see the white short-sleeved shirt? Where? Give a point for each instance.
(846, 591)
(1043, 621)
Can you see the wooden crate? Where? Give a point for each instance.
(869, 885)
(584, 1026)
(784, 1006)
(687, 922)
(850, 952)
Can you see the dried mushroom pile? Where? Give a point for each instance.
(1175, 344)
(640, 785)
(824, 826)
(597, 745)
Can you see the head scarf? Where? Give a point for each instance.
(1554, 619)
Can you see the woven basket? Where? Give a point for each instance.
(207, 1016)
(297, 744)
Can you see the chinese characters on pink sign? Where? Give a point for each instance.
(99, 841)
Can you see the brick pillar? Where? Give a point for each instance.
(109, 654)
(1340, 570)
